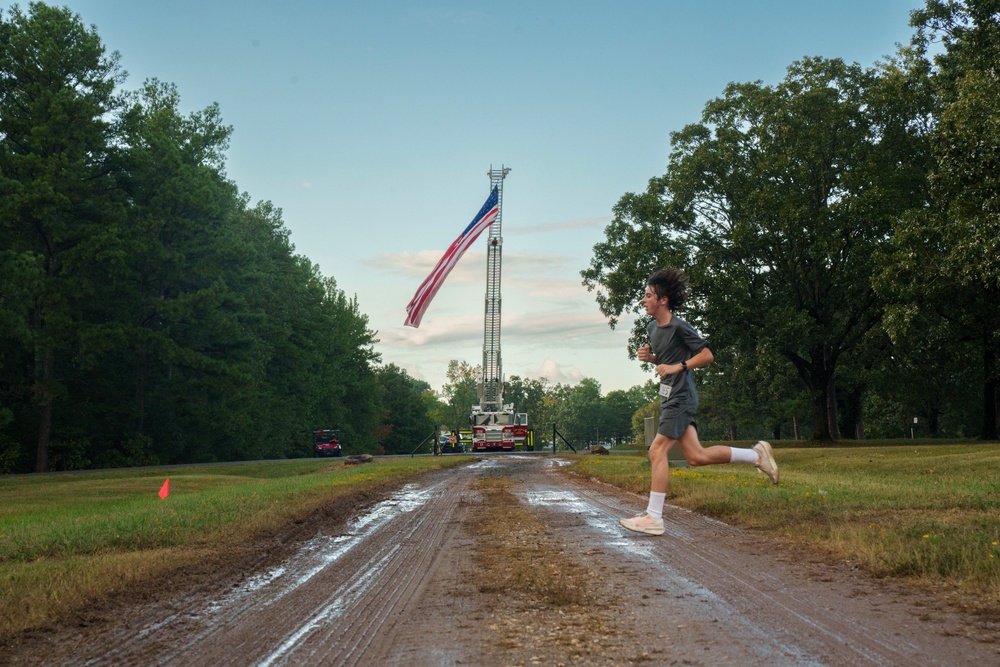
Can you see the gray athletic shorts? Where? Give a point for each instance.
(675, 419)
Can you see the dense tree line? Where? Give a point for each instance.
(841, 229)
(149, 313)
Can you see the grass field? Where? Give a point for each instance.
(931, 512)
(67, 540)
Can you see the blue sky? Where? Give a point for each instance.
(372, 125)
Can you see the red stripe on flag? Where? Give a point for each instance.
(432, 283)
(429, 288)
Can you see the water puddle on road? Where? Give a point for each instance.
(322, 551)
(330, 612)
(568, 501)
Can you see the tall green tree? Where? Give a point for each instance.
(405, 420)
(526, 395)
(58, 200)
(580, 412)
(944, 261)
(184, 325)
(775, 204)
(620, 406)
(345, 376)
(460, 393)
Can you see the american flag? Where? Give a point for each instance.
(425, 293)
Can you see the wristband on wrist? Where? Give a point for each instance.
(684, 365)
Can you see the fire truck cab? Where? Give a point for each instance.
(493, 430)
(326, 442)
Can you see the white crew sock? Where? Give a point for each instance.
(743, 455)
(655, 507)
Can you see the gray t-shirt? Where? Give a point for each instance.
(673, 343)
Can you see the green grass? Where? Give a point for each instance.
(929, 512)
(66, 540)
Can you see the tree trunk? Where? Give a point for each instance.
(831, 405)
(824, 410)
(933, 421)
(818, 375)
(849, 416)
(821, 421)
(989, 392)
(795, 427)
(45, 418)
(140, 393)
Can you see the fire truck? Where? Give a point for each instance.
(493, 430)
(495, 425)
(326, 442)
(503, 430)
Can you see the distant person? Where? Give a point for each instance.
(676, 349)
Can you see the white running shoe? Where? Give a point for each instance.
(766, 464)
(643, 523)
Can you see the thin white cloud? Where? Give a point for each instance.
(546, 328)
(413, 371)
(538, 287)
(557, 324)
(446, 330)
(557, 226)
(556, 373)
(541, 278)
(419, 263)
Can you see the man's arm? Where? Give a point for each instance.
(700, 360)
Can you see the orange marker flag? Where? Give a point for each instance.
(165, 489)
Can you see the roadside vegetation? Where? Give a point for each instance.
(928, 513)
(67, 541)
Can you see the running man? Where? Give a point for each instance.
(676, 349)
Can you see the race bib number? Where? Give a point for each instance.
(665, 390)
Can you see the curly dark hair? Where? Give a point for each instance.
(670, 283)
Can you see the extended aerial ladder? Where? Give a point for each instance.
(494, 424)
(491, 386)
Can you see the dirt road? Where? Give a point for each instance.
(402, 583)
